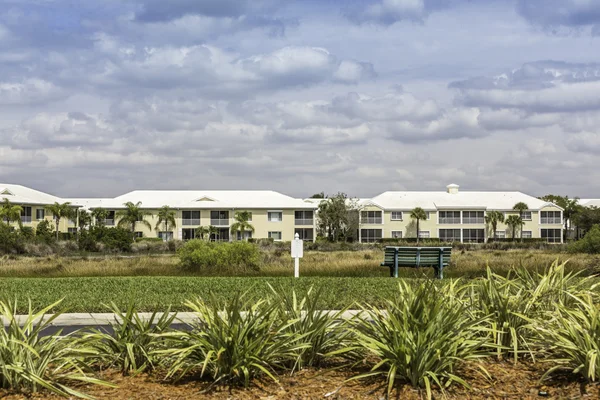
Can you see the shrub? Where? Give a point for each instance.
(87, 242)
(420, 336)
(234, 343)
(148, 239)
(27, 232)
(589, 244)
(573, 336)
(30, 361)
(239, 256)
(10, 240)
(44, 231)
(132, 346)
(114, 239)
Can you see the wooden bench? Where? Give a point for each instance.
(415, 257)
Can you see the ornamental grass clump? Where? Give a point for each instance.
(30, 361)
(571, 336)
(325, 332)
(233, 343)
(133, 344)
(421, 336)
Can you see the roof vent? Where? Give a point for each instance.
(452, 188)
(205, 198)
(7, 192)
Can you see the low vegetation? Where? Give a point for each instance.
(420, 333)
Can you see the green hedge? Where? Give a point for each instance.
(199, 254)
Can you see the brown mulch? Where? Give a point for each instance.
(507, 381)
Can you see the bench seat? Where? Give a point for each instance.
(415, 257)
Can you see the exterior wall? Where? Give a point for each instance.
(64, 222)
(408, 226)
(260, 222)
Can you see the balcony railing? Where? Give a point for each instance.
(372, 220)
(26, 219)
(550, 220)
(473, 220)
(109, 222)
(193, 221)
(449, 220)
(219, 222)
(304, 221)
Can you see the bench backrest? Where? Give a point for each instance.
(417, 256)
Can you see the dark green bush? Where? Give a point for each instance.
(27, 232)
(589, 244)
(199, 254)
(45, 232)
(10, 240)
(114, 239)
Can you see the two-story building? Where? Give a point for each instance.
(455, 215)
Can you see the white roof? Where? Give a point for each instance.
(203, 199)
(462, 200)
(18, 194)
(589, 202)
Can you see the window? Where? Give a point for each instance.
(275, 216)
(428, 214)
(370, 235)
(190, 217)
(110, 218)
(303, 217)
(40, 214)
(188, 234)
(397, 234)
(396, 215)
(219, 218)
(249, 216)
(472, 217)
(526, 235)
(526, 216)
(247, 235)
(165, 235)
(138, 234)
(72, 231)
(424, 234)
(305, 233)
(502, 234)
(552, 235)
(26, 215)
(222, 235)
(450, 235)
(449, 217)
(371, 217)
(275, 236)
(473, 235)
(550, 217)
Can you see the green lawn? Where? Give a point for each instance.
(88, 294)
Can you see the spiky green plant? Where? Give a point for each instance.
(30, 360)
(132, 345)
(233, 343)
(571, 334)
(420, 336)
(326, 332)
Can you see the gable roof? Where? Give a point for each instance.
(18, 194)
(503, 201)
(203, 199)
(589, 202)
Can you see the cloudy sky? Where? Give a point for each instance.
(101, 97)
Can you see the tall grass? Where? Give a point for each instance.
(30, 361)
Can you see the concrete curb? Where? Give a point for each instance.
(91, 320)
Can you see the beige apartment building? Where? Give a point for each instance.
(452, 214)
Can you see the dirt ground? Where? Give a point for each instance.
(507, 382)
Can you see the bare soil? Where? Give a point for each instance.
(507, 381)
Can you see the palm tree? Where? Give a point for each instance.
(571, 208)
(418, 214)
(213, 231)
(166, 216)
(492, 218)
(241, 223)
(521, 208)
(514, 221)
(202, 231)
(60, 211)
(84, 219)
(10, 212)
(100, 215)
(131, 215)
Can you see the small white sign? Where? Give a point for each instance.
(297, 248)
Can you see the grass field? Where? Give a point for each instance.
(466, 264)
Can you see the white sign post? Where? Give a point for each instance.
(297, 253)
